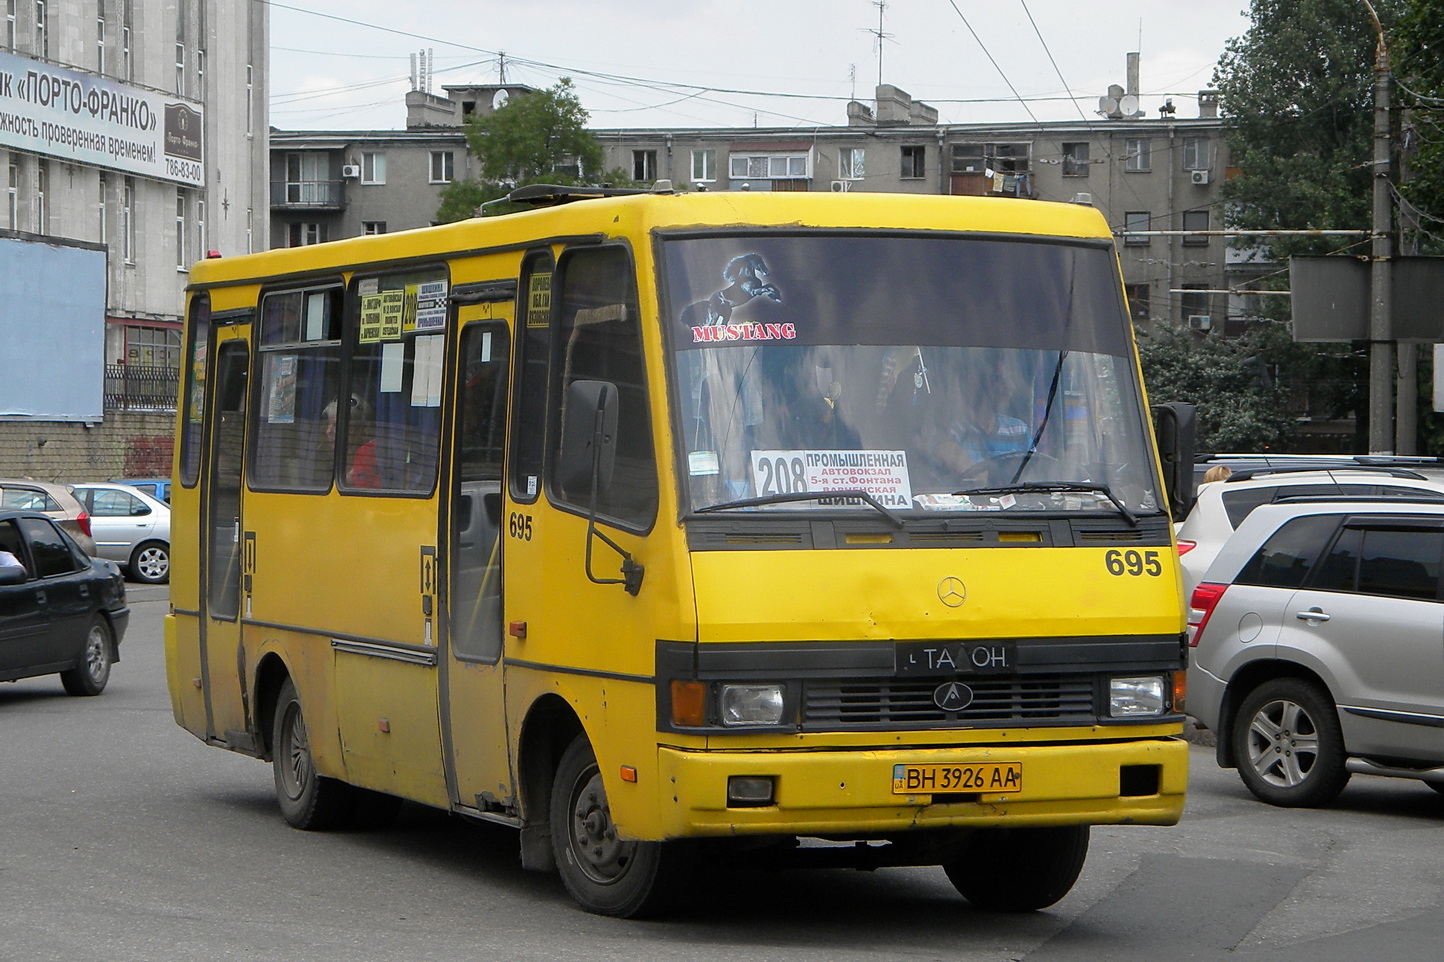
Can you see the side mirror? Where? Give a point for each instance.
(1173, 426)
(11, 575)
(589, 439)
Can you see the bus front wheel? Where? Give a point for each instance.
(1019, 869)
(606, 874)
(308, 800)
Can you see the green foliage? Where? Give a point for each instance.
(1297, 89)
(1416, 45)
(1221, 377)
(540, 137)
(461, 198)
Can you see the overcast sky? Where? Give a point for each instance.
(346, 64)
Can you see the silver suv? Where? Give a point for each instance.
(1317, 639)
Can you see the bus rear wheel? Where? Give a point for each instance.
(1019, 869)
(308, 800)
(606, 874)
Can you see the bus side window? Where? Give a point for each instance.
(390, 440)
(599, 338)
(299, 360)
(534, 318)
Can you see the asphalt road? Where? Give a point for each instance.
(127, 839)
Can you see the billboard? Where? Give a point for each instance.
(52, 330)
(85, 119)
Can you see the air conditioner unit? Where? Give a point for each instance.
(841, 186)
(351, 171)
(1200, 177)
(1200, 322)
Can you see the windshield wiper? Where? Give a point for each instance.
(805, 496)
(1047, 486)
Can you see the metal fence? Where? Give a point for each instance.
(140, 387)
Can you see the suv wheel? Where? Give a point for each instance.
(1288, 744)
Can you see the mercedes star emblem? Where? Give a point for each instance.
(952, 592)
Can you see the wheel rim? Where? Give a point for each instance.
(297, 769)
(1283, 744)
(592, 836)
(97, 659)
(153, 563)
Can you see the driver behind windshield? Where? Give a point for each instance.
(975, 426)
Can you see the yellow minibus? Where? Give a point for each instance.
(673, 528)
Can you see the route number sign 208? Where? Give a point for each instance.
(1132, 562)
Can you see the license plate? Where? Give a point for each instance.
(988, 778)
(955, 657)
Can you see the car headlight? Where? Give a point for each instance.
(1136, 696)
(744, 705)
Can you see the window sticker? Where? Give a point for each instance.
(711, 321)
(281, 389)
(426, 373)
(393, 306)
(431, 306)
(882, 474)
(393, 366)
(370, 318)
(702, 463)
(539, 300)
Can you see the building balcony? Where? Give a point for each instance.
(307, 195)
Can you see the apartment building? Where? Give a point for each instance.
(134, 137)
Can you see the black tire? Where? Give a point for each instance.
(91, 675)
(308, 800)
(1288, 745)
(605, 874)
(1019, 869)
(150, 563)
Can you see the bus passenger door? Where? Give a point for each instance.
(473, 713)
(222, 544)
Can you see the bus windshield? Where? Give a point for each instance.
(931, 372)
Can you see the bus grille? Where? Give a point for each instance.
(892, 702)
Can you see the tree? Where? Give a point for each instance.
(539, 137)
(1240, 407)
(1417, 49)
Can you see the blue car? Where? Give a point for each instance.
(158, 488)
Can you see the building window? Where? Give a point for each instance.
(1075, 160)
(912, 162)
(102, 228)
(127, 220)
(126, 66)
(42, 31)
(443, 169)
(250, 100)
(851, 163)
(1195, 301)
(644, 166)
(180, 69)
(180, 230)
(100, 38)
(1137, 301)
(373, 168)
(42, 184)
(1195, 220)
(704, 166)
(202, 238)
(9, 24)
(14, 197)
(997, 158)
(1196, 153)
(1138, 154)
(1135, 220)
(200, 75)
(250, 230)
(304, 235)
(768, 166)
(373, 227)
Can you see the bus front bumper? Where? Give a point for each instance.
(851, 793)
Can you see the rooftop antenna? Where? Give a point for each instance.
(880, 35)
(501, 65)
(852, 79)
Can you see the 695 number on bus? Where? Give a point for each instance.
(1131, 562)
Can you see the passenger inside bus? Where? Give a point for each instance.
(361, 467)
(976, 428)
(803, 401)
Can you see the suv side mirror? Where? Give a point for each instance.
(1173, 426)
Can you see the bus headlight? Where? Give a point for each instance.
(1136, 696)
(743, 705)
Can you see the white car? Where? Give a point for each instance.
(130, 528)
(1221, 506)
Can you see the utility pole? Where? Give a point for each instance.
(1381, 347)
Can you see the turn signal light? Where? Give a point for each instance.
(689, 704)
